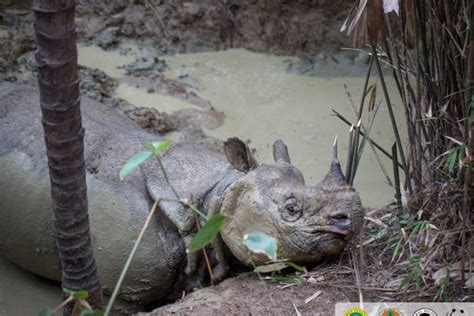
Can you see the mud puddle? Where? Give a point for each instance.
(23, 293)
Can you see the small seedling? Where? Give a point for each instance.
(81, 307)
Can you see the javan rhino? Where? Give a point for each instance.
(308, 222)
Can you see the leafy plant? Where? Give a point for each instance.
(413, 277)
(81, 307)
(261, 243)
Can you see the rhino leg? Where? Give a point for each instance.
(185, 222)
(220, 270)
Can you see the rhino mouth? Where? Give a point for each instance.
(332, 229)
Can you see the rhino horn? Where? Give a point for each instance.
(280, 152)
(336, 171)
(334, 178)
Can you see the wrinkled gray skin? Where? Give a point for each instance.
(308, 222)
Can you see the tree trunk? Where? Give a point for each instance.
(56, 57)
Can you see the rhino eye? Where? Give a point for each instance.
(291, 210)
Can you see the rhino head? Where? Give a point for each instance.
(308, 222)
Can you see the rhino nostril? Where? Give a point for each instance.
(340, 221)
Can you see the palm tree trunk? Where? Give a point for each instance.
(56, 57)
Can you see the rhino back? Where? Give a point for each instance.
(117, 210)
(193, 168)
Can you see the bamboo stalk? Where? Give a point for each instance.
(349, 154)
(396, 175)
(376, 145)
(355, 150)
(392, 117)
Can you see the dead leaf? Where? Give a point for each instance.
(376, 221)
(312, 297)
(469, 283)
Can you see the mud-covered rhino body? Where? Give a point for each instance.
(309, 222)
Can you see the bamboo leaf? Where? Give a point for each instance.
(134, 162)
(451, 162)
(208, 232)
(396, 251)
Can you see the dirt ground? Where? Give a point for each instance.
(283, 27)
(247, 295)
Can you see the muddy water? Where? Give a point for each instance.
(262, 102)
(22, 293)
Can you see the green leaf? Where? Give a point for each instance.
(396, 252)
(45, 312)
(262, 243)
(134, 162)
(296, 267)
(272, 267)
(76, 294)
(158, 146)
(451, 162)
(208, 232)
(88, 312)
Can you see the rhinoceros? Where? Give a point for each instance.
(309, 223)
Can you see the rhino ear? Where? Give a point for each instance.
(239, 155)
(280, 152)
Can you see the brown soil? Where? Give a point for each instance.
(301, 28)
(247, 295)
(284, 27)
